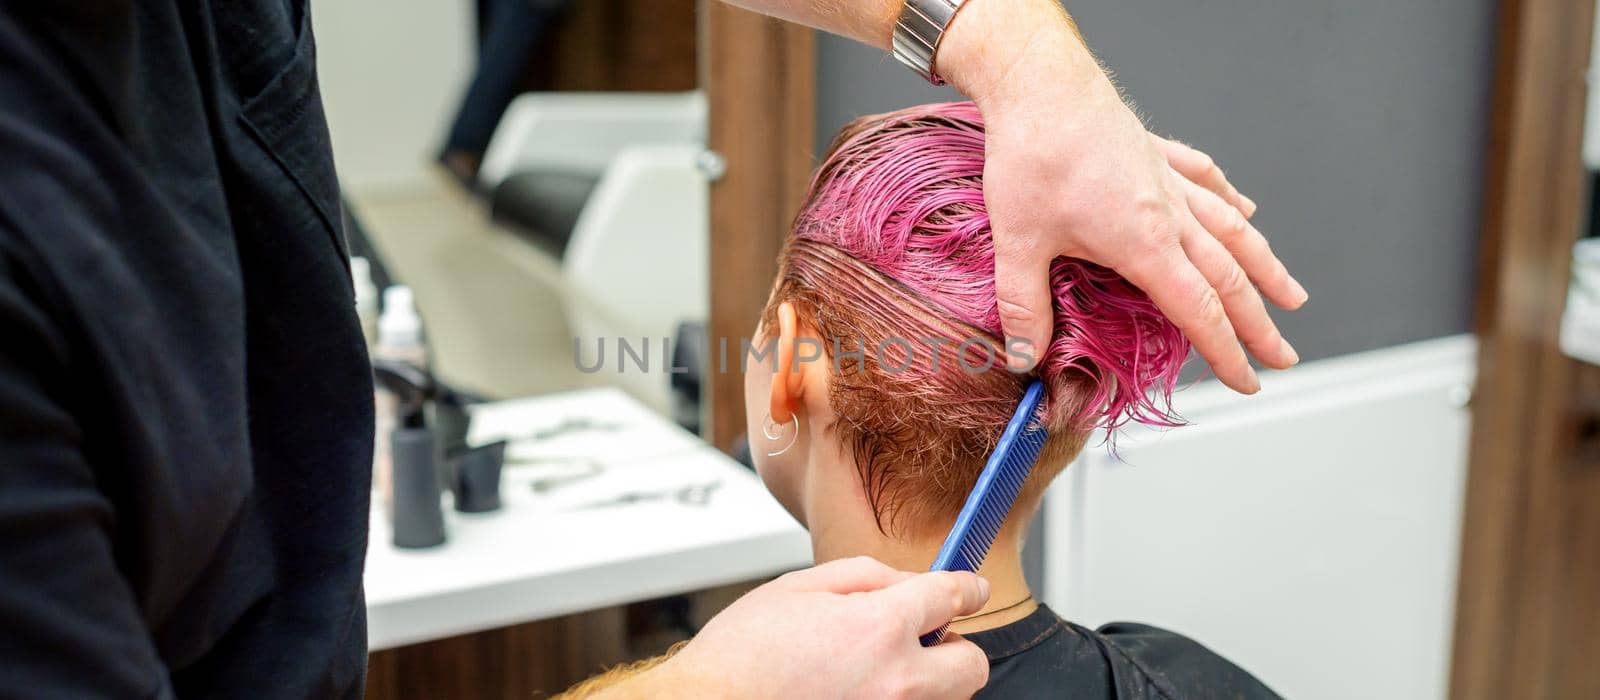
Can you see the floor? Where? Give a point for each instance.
(490, 304)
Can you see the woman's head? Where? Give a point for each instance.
(885, 293)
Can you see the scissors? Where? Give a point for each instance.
(591, 469)
(697, 495)
(572, 424)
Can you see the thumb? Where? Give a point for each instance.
(928, 601)
(1022, 292)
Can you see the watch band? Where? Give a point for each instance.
(917, 34)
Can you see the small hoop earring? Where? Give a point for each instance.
(769, 426)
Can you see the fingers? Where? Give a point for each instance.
(1239, 299)
(1200, 169)
(1188, 299)
(1247, 246)
(844, 576)
(954, 668)
(1022, 290)
(930, 600)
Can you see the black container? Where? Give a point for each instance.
(418, 518)
(477, 477)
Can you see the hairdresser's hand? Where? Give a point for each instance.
(847, 628)
(1072, 171)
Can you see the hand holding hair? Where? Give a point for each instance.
(1072, 171)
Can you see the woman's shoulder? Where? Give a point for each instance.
(1043, 655)
(1146, 658)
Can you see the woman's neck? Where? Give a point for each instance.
(1009, 596)
(842, 524)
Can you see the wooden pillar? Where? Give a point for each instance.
(758, 74)
(1528, 602)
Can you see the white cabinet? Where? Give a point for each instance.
(1310, 533)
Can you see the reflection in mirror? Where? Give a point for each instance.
(1580, 320)
(524, 181)
(529, 169)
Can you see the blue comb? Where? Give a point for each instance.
(991, 498)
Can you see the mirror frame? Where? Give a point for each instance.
(759, 75)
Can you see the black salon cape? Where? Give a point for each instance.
(185, 401)
(1044, 656)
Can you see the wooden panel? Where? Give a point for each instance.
(1529, 593)
(541, 659)
(759, 79)
(626, 45)
(513, 663)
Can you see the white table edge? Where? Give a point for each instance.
(508, 603)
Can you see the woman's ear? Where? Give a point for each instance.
(788, 384)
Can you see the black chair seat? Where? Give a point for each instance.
(543, 206)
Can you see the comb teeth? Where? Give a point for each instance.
(996, 505)
(994, 494)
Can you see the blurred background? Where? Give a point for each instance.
(1415, 508)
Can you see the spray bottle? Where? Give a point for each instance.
(399, 340)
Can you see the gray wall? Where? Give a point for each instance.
(1358, 126)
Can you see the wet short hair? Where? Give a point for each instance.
(893, 243)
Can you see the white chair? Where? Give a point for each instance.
(635, 263)
(580, 132)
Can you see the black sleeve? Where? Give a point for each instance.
(69, 624)
(1177, 666)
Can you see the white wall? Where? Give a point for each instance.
(1310, 533)
(392, 73)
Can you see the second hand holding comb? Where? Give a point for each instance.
(996, 490)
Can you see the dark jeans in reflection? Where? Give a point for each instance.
(508, 32)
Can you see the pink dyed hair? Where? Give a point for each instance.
(893, 241)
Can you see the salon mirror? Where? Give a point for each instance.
(533, 170)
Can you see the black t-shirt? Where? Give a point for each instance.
(1044, 656)
(185, 400)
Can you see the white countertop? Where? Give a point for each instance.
(544, 555)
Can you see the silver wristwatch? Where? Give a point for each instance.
(917, 34)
